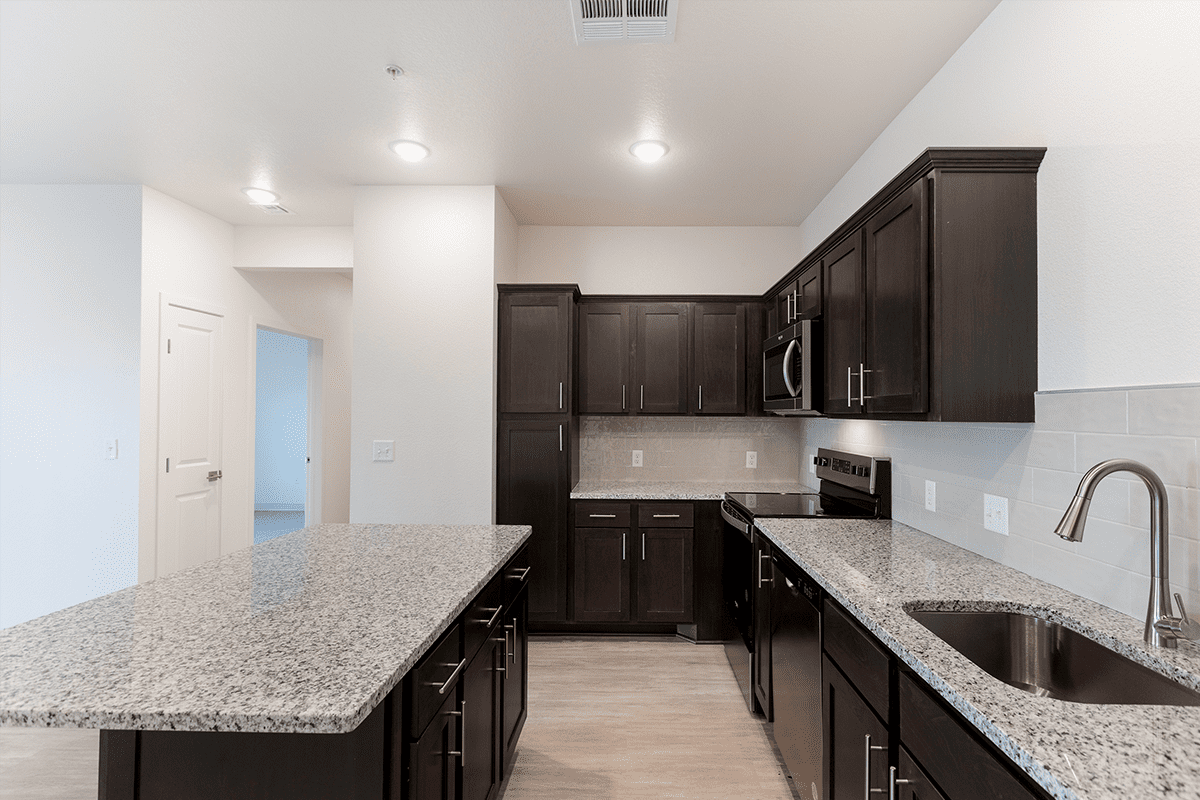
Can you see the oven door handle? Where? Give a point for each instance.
(787, 363)
(734, 520)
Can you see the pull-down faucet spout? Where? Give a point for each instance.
(1162, 629)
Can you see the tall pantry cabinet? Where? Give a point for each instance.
(537, 448)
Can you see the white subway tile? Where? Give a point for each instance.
(1173, 458)
(1095, 412)
(1052, 450)
(1165, 411)
(1183, 509)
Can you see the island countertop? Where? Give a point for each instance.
(304, 633)
(879, 568)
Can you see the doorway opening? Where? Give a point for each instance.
(284, 384)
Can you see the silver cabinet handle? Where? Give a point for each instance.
(603, 516)
(893, 782)
(442, 689)
(849, 391)
(795, 304)
(560, 395)
(643, 546)
(523, 575)
(462, 736)
(701, 399)
(761, 579)
(460, 713)
(214, 475)
(787, 372)
(495, 616)
(862, 371)
(642, 398)
(503, 668)
(666, 516)
(622, 397)
(867, 748)
(512, 655)
(622, 547)
(560, 438)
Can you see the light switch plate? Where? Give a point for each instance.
(930, 496)
(383, 450)
(637, 458)
(751, 459)
(995, 514)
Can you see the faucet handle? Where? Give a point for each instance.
(1181, 627)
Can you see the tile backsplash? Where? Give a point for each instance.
(1036, 467)
(689, 449)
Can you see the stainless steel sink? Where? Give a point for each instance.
(1051, 660)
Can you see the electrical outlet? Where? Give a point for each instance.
(637, 458)
(812, 465)
(995, 514)
(110, 449)
(930, 496)
(383, 450)
(751, 459)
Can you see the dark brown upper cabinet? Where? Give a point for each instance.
(537, 342)
(801, 298)
(660, 358)
(605, 347)
(930, 292)
(718, 384)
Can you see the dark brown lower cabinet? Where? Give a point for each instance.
(433, 757)
(480, 749)
(601, 578)
(854, 738)
(515, 681)
(764, 579)
(665, 585)
(912, 783)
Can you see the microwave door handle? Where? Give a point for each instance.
(787, 361)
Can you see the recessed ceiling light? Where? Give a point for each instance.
(409, 151)
(649, 151)
(260, 197)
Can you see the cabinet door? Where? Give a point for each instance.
(719, 359)
(433, 758)
(516, 678)
(912, 782)
(660, 358)
(808, 293)
(764, 579)
(665, 586)
(604, 356)
(480, 731)
(843, 327)
(784, 307)
(601, 575)
(535, 352)
(848, 721)
(533, 488)
(896, 249)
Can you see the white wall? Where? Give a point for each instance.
(424, 353)
(188, 253)
(658, 260)
(293, 247)
(1113, 91)
(70, 269)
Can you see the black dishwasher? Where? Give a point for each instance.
(796, 668)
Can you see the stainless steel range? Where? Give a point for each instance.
(852, 487)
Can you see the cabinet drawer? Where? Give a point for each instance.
(432, 673)
(482, 615)
(863, 661)
(951, 754)
(516, 575)
(601, 515)
(665, 515)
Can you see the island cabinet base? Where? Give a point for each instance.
(182, 765)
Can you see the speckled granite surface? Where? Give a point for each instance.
(307, 632)
(672, 490)
(1090, 752)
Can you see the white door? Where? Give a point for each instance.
(189, 439)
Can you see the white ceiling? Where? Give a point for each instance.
(765, 103)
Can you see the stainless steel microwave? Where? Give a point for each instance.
(792, 370)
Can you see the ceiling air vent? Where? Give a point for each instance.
(599, 21)
(274, 208)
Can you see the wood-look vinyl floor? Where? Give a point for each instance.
(631, 718)
(608, 718)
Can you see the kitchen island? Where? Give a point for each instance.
(292, 652)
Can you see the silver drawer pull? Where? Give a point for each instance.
(495, 616)
(666, 516)
(521, 577)
(453, 675)
(603, 516)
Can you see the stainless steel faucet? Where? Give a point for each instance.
(1162, 629)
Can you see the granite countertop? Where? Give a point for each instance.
(673, 490)
(304, 633)
(877, 568)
